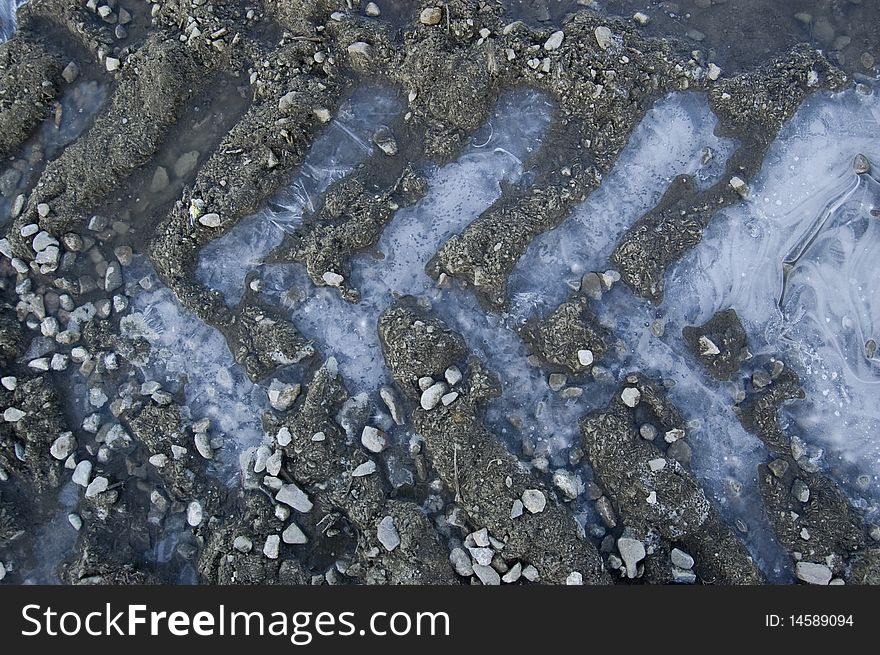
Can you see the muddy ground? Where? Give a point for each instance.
(209, 111)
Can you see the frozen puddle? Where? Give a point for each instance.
(821, 311)
(458, 193)
(347, 142)
(186, 353)
(675, 137)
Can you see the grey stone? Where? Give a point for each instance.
(534, 500)
(632, 551)
(811, 573)
(292, 496)
(681, 559)
(387, 534)
(294, 535)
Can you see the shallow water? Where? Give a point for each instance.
(76, 109)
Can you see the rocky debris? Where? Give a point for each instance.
(28, 85)
(262, 340)
(282, 396)
(720, 344)
(680, 513)
(337, 475)
(473, 464)
(569, 340)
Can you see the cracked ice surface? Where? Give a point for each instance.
(347, 142)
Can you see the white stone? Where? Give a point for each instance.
(63, 446)
(333, 279)
(673, 435)
(210, 220)
(630, 396)
(708, 347)
(449, 398)
(567, 483)
(632, 551)
(112, 64)
(817, 574)
(272, 547)
(432, 396)
(739, 185)
(283, 437)
(453, 375)
(203, 445)
(461, 562)
(13, 415)
(243, 544)
(513, 574)
(585, 357)
(387, 534)
(534, 500)
(273, 464)
(487, 575)
(657, 464)
(75, 521)
(554, 41)
(97, 486)
(294, 497)
(43, 240)
(367, 468)
(681, 559)
(714, 72)
(194, 514)
(604, 37)
(480, 537)
(373, 439)
(294, 535)
(575, 578)
(82, 473)
(9, 382)
(482, 556)
(517, 509)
